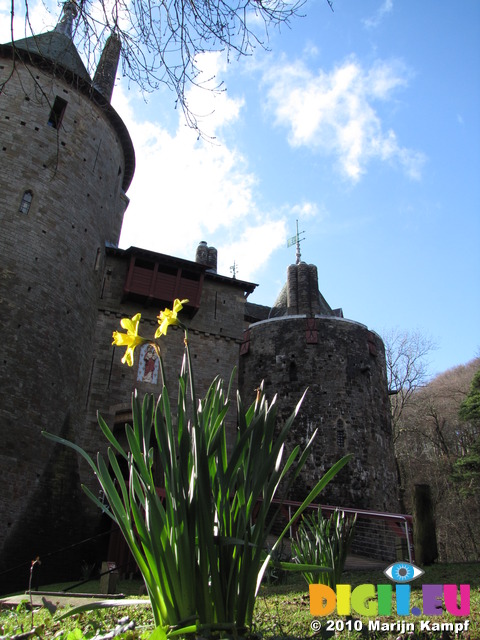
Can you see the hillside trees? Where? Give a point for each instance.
(466, 472)
(437, 443)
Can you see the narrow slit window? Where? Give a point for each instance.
(26, 202)
(340, 434)
(57, 112)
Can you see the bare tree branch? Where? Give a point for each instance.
(162, 39)
(407, 368)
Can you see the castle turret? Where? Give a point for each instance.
(305, 344)
(67, 160)
(303, 295)
(104, 78)
(65, 24)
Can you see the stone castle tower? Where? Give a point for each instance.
(302, 344)
(67, 160)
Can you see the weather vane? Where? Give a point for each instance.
(295, 240)
(234, 269)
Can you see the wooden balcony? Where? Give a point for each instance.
(153, 282)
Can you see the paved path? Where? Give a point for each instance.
(359, 563)
(52, 601)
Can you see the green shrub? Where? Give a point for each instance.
(324, 542)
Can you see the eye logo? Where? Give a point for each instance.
(403, 572)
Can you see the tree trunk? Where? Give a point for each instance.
(424, 532)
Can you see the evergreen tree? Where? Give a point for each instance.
(466, 469)
(470, 407)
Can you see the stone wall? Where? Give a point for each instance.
(215, 333)
(343, 365)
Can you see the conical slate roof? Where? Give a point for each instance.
(57, 46)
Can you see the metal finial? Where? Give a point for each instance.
(295, 240)
(65, 24)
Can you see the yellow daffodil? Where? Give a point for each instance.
(131, 339)
(168, 317)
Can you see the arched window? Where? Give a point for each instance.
(26, 202)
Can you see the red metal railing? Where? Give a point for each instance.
(378, 535)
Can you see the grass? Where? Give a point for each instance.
(282, 611)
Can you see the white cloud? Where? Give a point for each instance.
(375, 20)
(384, 77)
(333, 113)
(187, 189)
(305, 210)
(252, 248)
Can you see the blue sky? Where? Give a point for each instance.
(364, 124)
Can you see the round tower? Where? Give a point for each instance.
(305, 344)
(67, 160)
